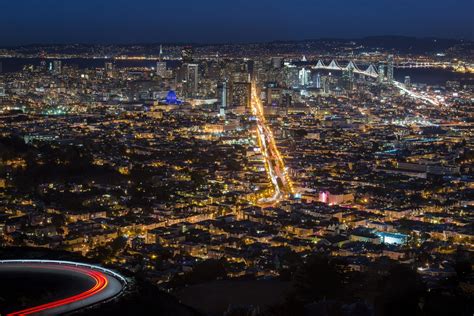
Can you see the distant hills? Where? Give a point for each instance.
(399, 44)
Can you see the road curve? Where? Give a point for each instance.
(107, 284)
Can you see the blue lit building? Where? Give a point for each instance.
(172, 99)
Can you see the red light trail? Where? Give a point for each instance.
(100, 284)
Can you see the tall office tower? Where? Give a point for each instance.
(407, 81)
(161, 69)
(351, 78)
(56, 67)
(292, 76)
(251, 69)
(390, 68)
(2, 91)
(286, 99)
(187, 54)
(161, 52)
(222, 97)
(318, 81)
(223, 94)
(109, 69)
(241, 76)
(213, 71)
(326, 84)
(381, 72)
(277, 62)
(240, 94)
(222, 112)
(347, 79)
(43, 62)
(43, 65)
(274, 95)
(303, 76)
(191, 78)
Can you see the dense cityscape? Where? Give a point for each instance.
(315, 177)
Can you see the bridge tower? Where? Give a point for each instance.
(371, 71)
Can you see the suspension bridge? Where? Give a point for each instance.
(373, 72)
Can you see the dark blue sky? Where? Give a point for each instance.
(127, 21)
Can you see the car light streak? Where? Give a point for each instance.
(99, 278)
(273, 160)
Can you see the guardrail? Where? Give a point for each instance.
(71, 263)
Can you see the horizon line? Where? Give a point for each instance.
(210, 43)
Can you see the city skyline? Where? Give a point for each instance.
(265, 158)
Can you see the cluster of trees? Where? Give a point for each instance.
(322, 287)
(205, 271)
(110, 250)
(49, 163)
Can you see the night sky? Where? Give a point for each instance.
(127, 21)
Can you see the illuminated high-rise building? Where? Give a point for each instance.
(407, 81)
(273, 94)
(241, 93)
(318, 80)
(187, 54)
(304, 77)
(390, 67)
(241, 77)
(191, 79)
(381, 72)
(277, 62)
(326, 84)
(351, 78)
(56, 67)
(161, 65)
(43, 62)
(161, 69)
(348, 79)
(223, 94)
(109, 69)
(291, 75)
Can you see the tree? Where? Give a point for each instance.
(318, 279)
(198, 178)
(208, 270)
(58, 220)
(400, 293)
(118, 244)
